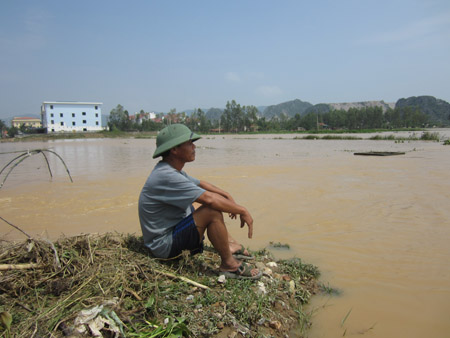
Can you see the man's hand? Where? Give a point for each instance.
(247, 218)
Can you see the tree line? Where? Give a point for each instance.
(236, 118)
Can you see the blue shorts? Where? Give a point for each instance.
(186, 237)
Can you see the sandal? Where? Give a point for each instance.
(244, 271)
(240, 254)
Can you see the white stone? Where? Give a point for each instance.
(222, 279)
(262, 288)
(272, 265)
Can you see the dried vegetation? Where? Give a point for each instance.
(109, 285)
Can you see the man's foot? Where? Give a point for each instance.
(244, 271)
(242, 253)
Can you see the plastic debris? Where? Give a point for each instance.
(97, 319)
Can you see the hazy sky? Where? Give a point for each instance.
(159, 55)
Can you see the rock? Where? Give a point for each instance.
(261, 288)
(190, 298)
(286, 278)
(292, 287)
(267, 272)
(275, 324)
(260, 266)
(272, 264)
(222, 279)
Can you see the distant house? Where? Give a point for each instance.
(26, 121)
(140, 117)
(60, 117)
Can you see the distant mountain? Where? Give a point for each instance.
(289, 109)
(326, 107)
(363, 104)
(438, 110)
(261, 109)
(320, 108)
(214, 114)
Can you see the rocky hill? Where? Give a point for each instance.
(214, 114)
(438, 110)
(326, 107)
(288, 109)
(363, 104)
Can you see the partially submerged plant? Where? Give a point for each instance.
(280, 245)
(26, 154)
(428, 136)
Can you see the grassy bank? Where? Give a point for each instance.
(69, 136)
(426, 136)
(124, 291)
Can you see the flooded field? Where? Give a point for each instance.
(378, 228)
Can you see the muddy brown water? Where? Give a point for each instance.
(378, 228)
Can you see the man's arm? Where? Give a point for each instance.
(212, 188)
(220, 200)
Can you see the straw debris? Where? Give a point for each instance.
(109, 286)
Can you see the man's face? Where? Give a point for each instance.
(186, 151)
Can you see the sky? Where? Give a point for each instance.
(167, 54)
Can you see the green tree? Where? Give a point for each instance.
(13, 131)
(233, 117)
(250, 117)
(309, 121)
(117, 118)
(172, 116)
(3, 128)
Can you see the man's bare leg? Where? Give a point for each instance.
(212, 222)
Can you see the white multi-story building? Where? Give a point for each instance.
(60, 117)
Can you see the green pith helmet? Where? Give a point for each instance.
(172, 136)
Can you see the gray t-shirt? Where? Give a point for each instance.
(165, 200)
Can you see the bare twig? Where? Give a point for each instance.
(12, 168)
(19, 159)
(184, 279)
(26, 266)
(48, 164)
(64, 163)
(16, 227)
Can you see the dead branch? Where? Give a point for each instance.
(14, 226)
(25, 266)
(19, 159)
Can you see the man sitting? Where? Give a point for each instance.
(168, 220)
